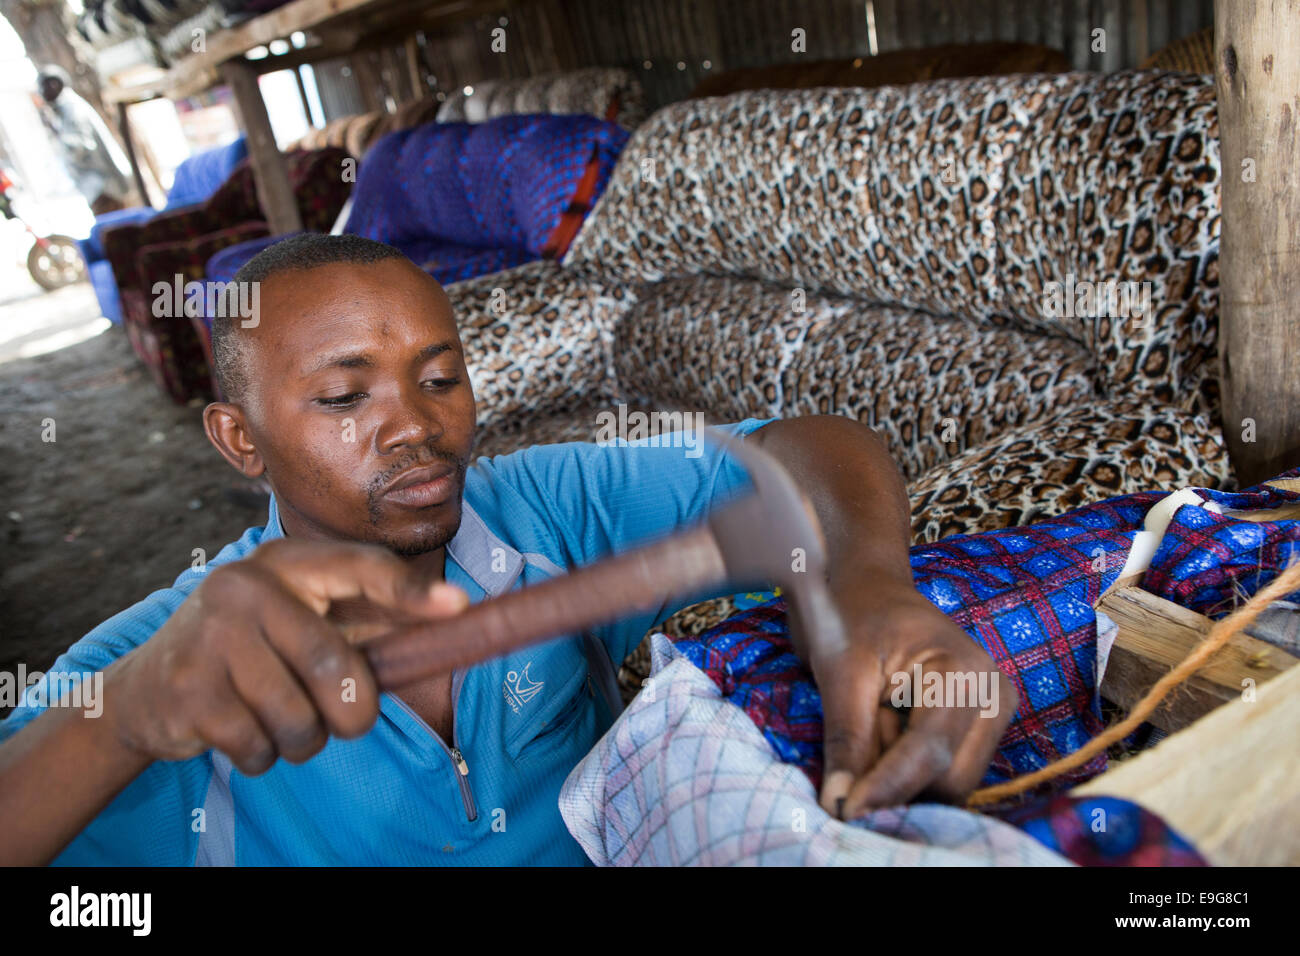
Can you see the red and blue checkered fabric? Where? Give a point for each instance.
(1103, 831)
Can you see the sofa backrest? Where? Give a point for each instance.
(199, 176)
(1113, 205)
(604, 92)
(959, 197)
(506, 183)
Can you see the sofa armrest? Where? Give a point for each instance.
(92, 247)
(163, 261)
(1093, 452)
(121, 243)
(538, 336)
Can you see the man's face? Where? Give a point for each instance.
(51, 87)
(358, 384)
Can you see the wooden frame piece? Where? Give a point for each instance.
(1155, 634)
(1230, 782)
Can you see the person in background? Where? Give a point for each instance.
(98, 167)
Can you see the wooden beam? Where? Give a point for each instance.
(335, 20)
(124, 127)
(1257, 66)
(1230, 783)
(1155, 634)
(269, 172)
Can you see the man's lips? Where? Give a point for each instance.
(422, 487)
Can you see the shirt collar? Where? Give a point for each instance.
(488, 561)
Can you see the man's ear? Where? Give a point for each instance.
(228, 431)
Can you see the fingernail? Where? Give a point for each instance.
(835, 789)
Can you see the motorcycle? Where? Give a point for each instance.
(54, 261)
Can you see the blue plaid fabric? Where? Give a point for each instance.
(1211, 563)
(1026, 595)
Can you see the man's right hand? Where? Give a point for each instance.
(252, 665)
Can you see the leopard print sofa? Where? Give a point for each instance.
(887, 254)
(884, 254)
(967, 198)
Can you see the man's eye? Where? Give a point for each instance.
(443, 382)
(340, 401)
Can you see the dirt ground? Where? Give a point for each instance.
(113, 507)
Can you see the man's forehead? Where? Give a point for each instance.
(356, 284)
(317, 310)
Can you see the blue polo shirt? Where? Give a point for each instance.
(400, 795)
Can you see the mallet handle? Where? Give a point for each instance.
(637, 580)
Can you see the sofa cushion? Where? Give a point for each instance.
(960, 197)
(448, 262)
(92, 247)
(932, 386)
(538, 337)
(199, 176)
(885, 194)
(499, 184)
(1086, 454)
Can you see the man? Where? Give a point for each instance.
(352, 396)
(98, 166)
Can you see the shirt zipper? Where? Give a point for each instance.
(456, 755)
(460, 766)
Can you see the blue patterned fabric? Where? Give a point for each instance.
(463, 200)
(499, 184)
(1103, 831)
(198, 177)
(1026, 595)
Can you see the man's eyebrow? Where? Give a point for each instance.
(433, 351)
(341, 360)
(364, 360)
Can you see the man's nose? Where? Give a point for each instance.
(410, 419)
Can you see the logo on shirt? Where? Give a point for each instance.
(518, 688)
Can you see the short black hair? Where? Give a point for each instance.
(304, 251)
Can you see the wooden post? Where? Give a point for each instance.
(269, 171)
(124, 127)
(302, 95)
(1257, 65)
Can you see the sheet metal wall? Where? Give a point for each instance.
(673, 44)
